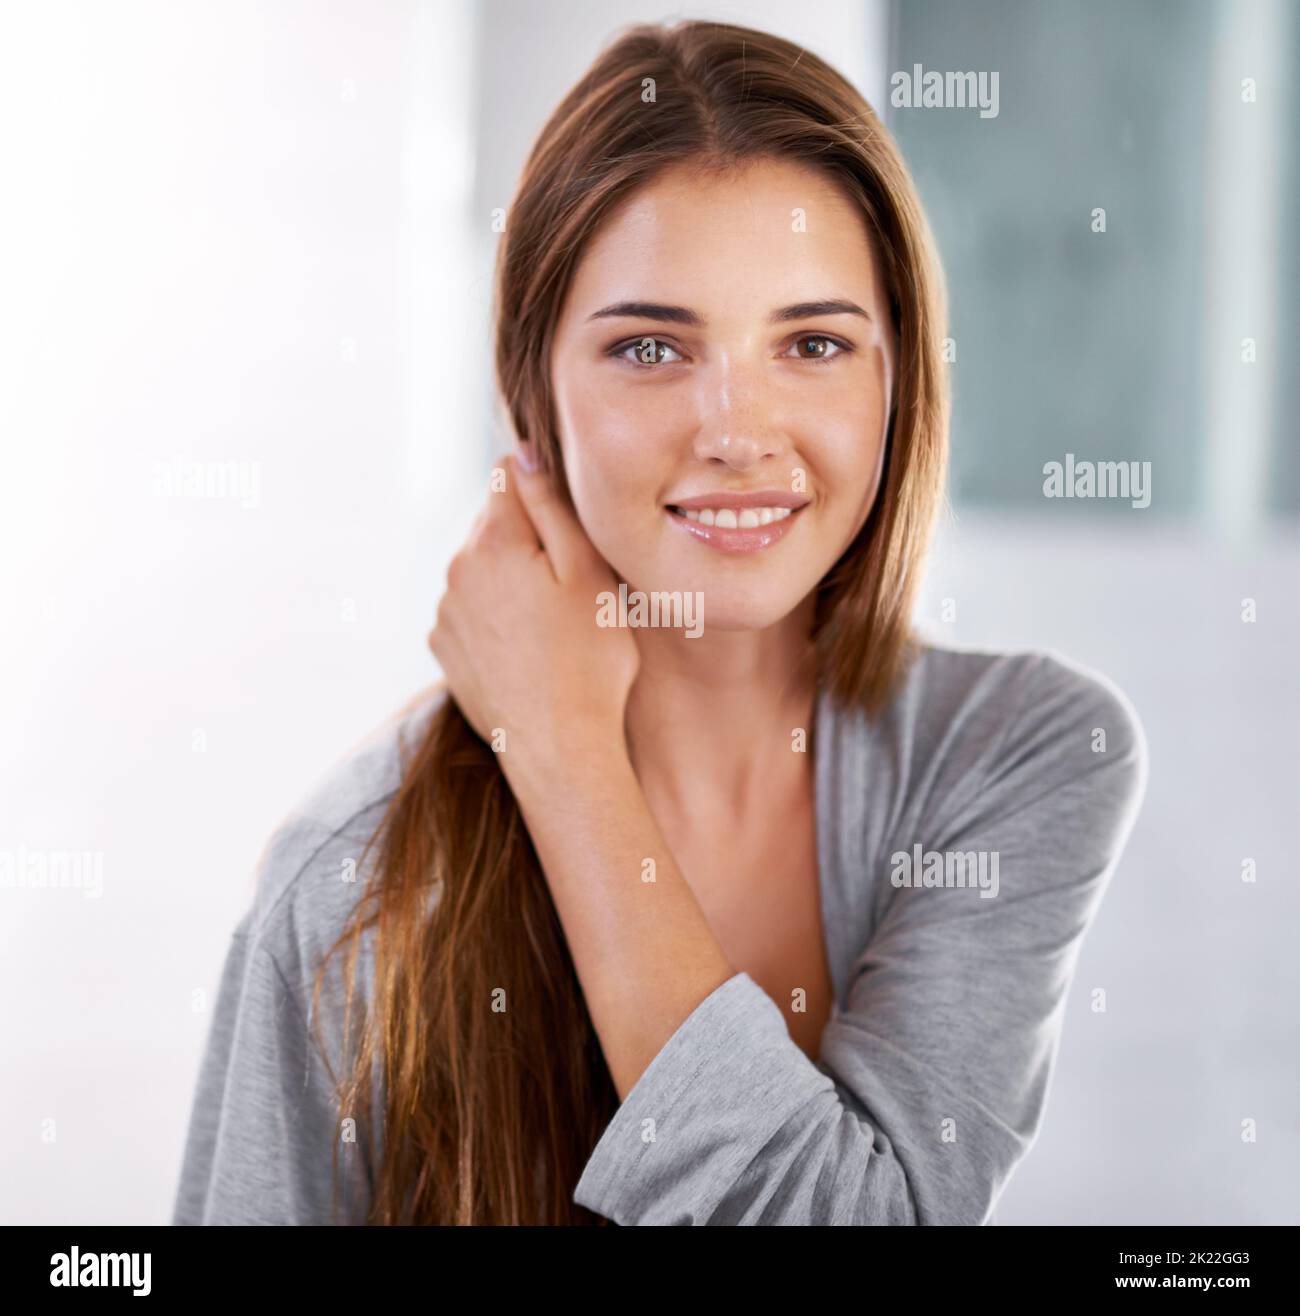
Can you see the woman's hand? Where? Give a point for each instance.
(517, 638)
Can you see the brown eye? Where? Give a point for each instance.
(647, 351)
(821, 347)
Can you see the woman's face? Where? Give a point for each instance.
(692, 366)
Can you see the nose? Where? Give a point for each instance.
(739, 415)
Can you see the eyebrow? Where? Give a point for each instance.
(684, 315)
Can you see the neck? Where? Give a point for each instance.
(710, 721)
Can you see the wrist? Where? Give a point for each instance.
(580, 754)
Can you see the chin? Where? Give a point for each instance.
(741, 619)
(728, 608)
(728, 603)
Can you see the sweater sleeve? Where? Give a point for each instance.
(932, 1080)
(264, 1126)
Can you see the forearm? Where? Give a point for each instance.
(644, 953)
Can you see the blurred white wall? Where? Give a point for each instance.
(236, 235)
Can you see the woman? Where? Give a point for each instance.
(769, 919)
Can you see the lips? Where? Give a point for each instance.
(738, 523)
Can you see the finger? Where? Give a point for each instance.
(504, 515)
(560, 531)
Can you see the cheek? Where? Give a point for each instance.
(852, 453)
(622, 415)
(615, 442)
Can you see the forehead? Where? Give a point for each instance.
(772, 230)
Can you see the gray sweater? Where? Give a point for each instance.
(965, 839)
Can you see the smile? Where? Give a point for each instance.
(737, 524)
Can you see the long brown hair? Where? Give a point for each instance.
(489, 1116)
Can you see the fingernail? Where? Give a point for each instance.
(526, 457)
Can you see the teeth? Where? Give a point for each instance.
(729, 519)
